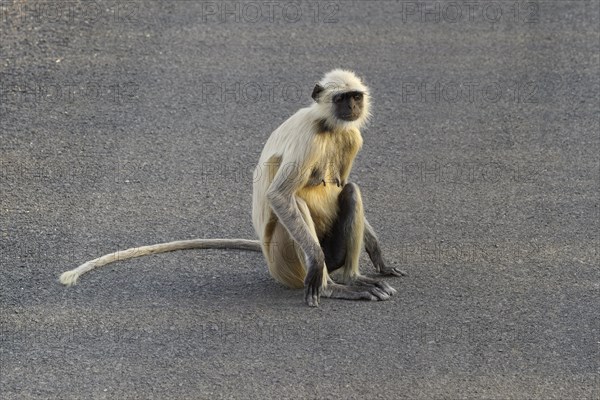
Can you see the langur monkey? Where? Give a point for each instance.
(308, 217)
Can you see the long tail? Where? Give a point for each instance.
(69, 278)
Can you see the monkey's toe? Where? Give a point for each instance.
(380, 294)
(392, 271)
(387, 288)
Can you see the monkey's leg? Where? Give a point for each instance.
(374, 252)
(342, 247)
(282, 258)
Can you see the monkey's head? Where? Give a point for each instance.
(342, 100)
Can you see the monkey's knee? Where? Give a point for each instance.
(350, 197)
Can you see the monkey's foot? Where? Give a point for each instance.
(390, 271)
(356, 292)
(365, 281)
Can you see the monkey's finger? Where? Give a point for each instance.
(311, 296)
(315, 301)
(312, 301)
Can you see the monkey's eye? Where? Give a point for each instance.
(358, 96)
(337, 98)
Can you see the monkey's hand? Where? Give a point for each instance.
(313, 283)
(390, 271)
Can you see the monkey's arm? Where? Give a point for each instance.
(282, 198)
(374, 252)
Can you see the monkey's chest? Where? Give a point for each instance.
(324, 174)
(321, 194)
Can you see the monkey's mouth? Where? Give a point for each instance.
(349, 117)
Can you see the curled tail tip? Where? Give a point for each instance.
(69, 278)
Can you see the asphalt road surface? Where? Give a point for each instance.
(130, 123)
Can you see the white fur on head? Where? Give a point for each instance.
(340, 81)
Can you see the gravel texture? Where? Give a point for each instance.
(134, 123)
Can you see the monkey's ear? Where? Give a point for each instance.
(316, 91)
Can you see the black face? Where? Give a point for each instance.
(348, 106)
